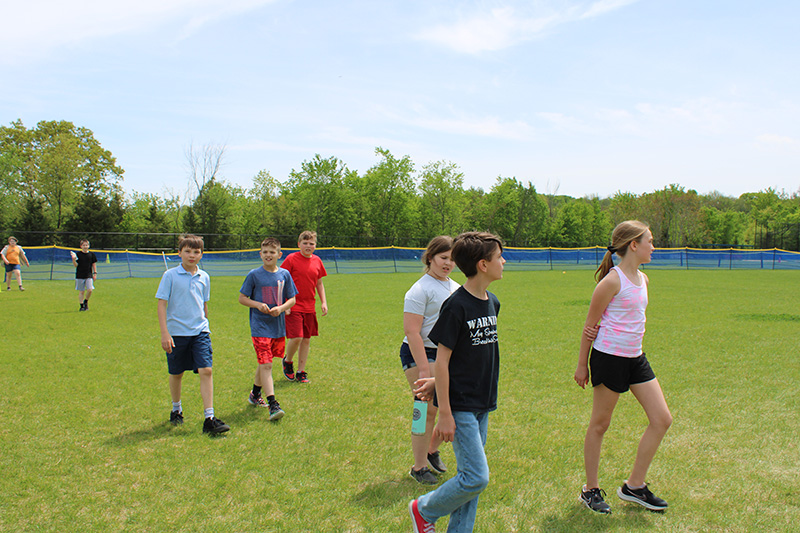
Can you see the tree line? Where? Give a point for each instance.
(56, 179)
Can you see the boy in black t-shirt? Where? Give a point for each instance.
(467, 369)
(85, 263)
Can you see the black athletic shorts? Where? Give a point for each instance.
(619, 373)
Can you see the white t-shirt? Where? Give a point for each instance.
(425, 297)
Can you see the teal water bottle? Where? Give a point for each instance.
(419, 417)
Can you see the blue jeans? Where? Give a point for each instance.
(458, 496)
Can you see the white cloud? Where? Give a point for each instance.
(772, 139)
(507, 26)
(605, 6)
(34, 28)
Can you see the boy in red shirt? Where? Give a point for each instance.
(307, 272)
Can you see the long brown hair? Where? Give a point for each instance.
(623, 235)
(438, 245)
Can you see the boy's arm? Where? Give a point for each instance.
(323, 302)
(3, 254)
(249, 302)
(205, 310)
(285, 306)
(24, 257)
(446, 426)
(74, 258)
(166, 339)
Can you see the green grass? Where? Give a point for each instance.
(86, 446)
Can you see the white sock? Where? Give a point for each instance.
(209, 413)
(176, 406)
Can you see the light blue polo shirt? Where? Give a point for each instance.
(185, 295)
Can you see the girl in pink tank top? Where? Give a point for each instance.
(616, 324)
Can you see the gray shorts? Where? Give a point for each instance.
(84, 284)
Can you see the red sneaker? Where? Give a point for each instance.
(420, 524)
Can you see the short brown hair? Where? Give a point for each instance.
(84, 241)
(470, 247)
(190, 241)
(307, 235)
(271, 242)
(438, 245)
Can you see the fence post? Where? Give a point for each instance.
(550, 256)
(127, 258)
(394, 259)
(52, 261)
(686, 251)
(335, 262)
(774, 252)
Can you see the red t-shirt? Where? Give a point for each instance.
(306, 272)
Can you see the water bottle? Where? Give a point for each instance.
(419, 418)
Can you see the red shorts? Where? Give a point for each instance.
(301, 325)
(267, 349)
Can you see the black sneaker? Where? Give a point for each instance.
(176, 418)
(82, 308)
(301, 377)
(288, 370)
(642, 496)
(436, 462)
(424, 476)
(593, 499)
(21, 288)
(275, 411)
(215, 426)
(86, 305)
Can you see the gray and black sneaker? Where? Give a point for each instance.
(275, 411)
(436, 462)
(424, 476)
(642, 496)
(215, 426)
(176, 418)
(593, 499)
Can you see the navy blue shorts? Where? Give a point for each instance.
(190, 353)
(407, 360)
(619, 373)
(12, 268)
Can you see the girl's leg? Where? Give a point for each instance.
(18, 274)
(655, 407)
(603, 403)
(419, 443)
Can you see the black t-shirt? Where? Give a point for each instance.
(468, 326)
(85, 261)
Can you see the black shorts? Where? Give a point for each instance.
(619, 373)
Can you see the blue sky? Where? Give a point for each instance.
(577, 97)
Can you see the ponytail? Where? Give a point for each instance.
(623, 235)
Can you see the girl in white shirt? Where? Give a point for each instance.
(418, 353)
(618, 363)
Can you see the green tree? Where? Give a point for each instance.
(56, 161)
(442, 187)
(388, 188)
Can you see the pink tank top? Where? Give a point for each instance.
(622, 324)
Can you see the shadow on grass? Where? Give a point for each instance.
(767, 317)
(576, 517)
(386, 494)
(157, 431)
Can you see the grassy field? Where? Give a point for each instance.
(86, 445)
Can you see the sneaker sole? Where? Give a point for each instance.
(277, 416)
(634, 499)
(413, 518)
(586, 504)
(435, 469)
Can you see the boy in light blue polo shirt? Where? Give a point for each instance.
(183, 296)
